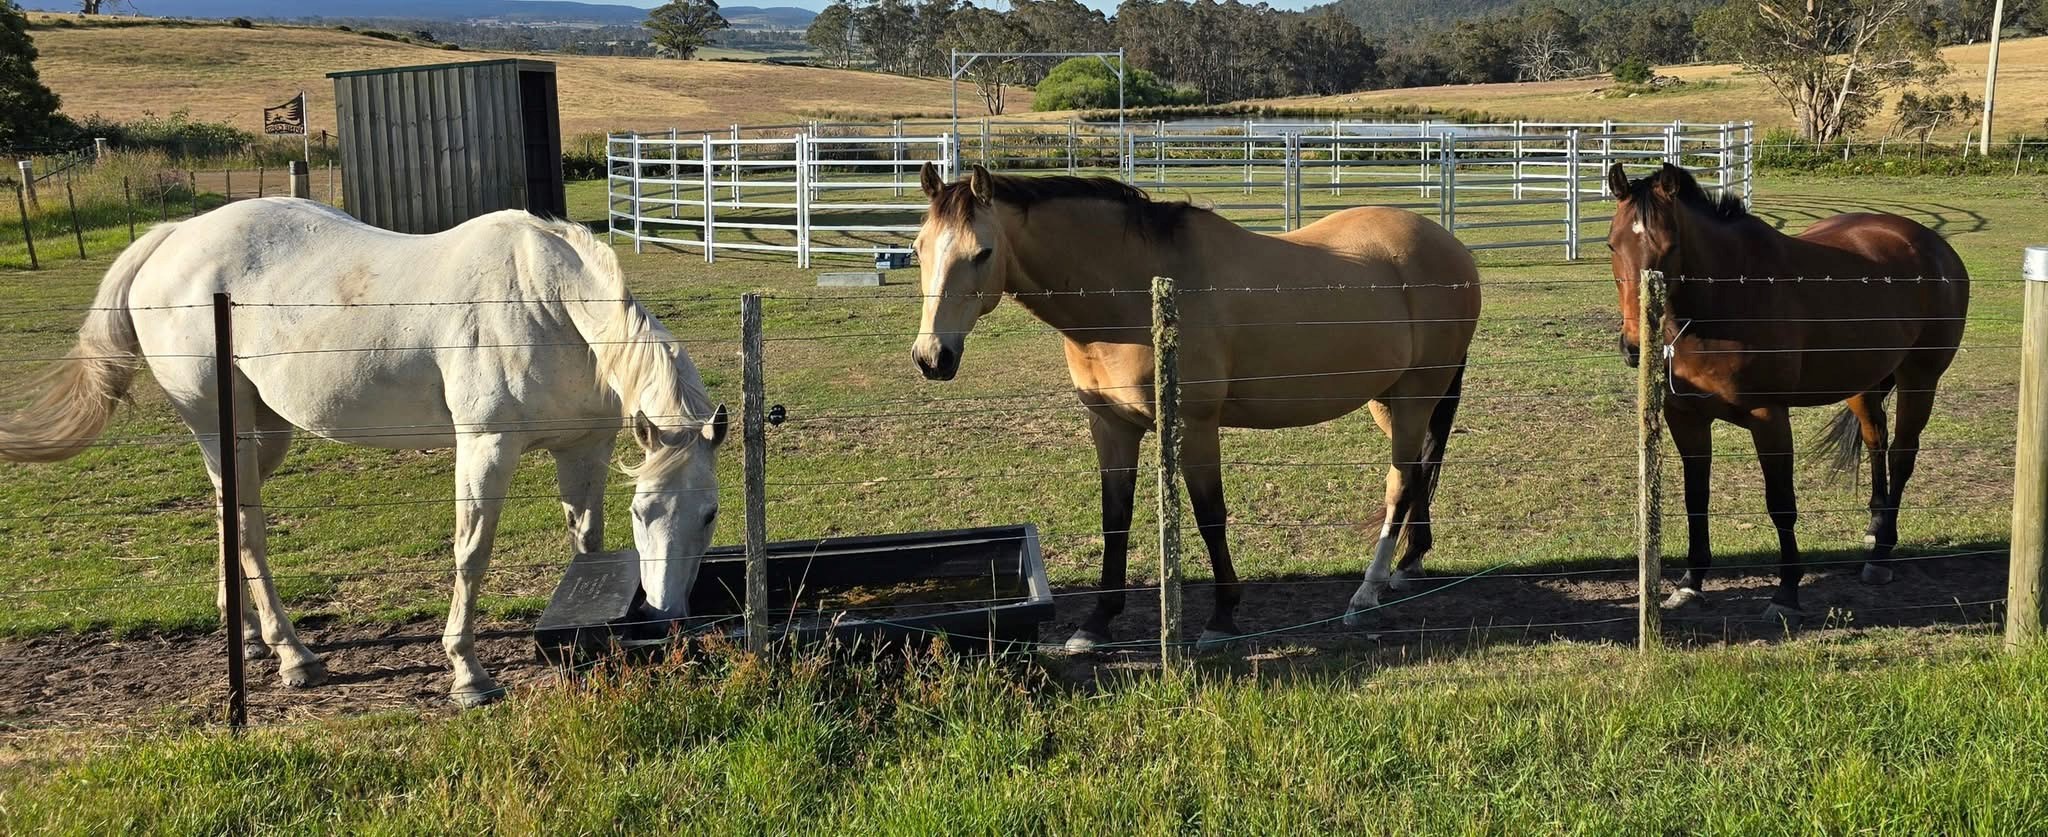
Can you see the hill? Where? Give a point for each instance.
(1719, 93)
(500, 11)
(224, 73)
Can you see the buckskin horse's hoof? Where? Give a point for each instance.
(1789, 618)
(1686, 597)
(1877, 574)
(1085, 641)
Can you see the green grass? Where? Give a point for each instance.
(1895, 734)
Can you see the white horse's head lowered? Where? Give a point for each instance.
(675, 507)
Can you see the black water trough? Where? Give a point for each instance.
(982, 589)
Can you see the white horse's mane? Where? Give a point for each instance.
(639, 358)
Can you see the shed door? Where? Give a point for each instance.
(538, 116)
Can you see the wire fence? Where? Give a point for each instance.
(840, 460)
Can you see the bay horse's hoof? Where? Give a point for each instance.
(1084, 641)
(1214, 640)
(1790, 618)
(310, 673)
(1403, 580)
(1685, 597)
(1877, 574)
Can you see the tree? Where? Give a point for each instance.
(983, 30)
(831, 34)
(1831, 63)
(1328, 54)
(1084, 83)
(885, 29)
(680, 27)
(28, 110)
(1920, 115)
(1548, 47)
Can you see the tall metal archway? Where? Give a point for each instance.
(958, 63)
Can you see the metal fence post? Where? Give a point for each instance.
(1748, 161)
(1447, 187)
(1519, 147)
(896, 166)
(1722, 160)
(803, 202)
(637, 245)
(754, 438)
(1166, 411)
(1674, 144)
(709, 232)
(675, 175)
(1650, 376)
(1571, 195)
(230, 462)
(2026, 597)
(736, 167)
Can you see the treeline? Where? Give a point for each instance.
(1223, 51)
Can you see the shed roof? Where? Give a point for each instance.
(525, 64)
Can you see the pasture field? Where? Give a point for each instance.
(1721, 93)
(222, 73)
(1871, 725)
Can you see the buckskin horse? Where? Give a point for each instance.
(1852, 309)
(1367, 305)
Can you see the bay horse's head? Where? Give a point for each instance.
(1652, 220)
(960, 265)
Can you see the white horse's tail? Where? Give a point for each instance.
(80, 392)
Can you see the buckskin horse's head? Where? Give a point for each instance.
(960, 266)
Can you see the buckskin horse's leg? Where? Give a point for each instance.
(1201, 456)
(1771, 428)
(1116, 457)
(1883, 533)
(1693, 435)
(1405, 423)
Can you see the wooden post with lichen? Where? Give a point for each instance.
(1166, 411)
(754, 436)
(1650, 382)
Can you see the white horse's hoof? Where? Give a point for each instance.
(312, 672)
(254, 650)
(472, 698)
(1877, 574)
(1213, 640)
(1685, 597)
(1084, 641)
(1785, 616)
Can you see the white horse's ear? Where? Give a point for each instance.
(929, 179)
(714, 430)
(1617, 181)
(645, 432)
(981, 184)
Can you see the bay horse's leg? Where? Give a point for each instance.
(1883, 533)
(1202, 468)
(1915, 406)
(1771, 428)
(484, 464)
(1406, 423)
(1116, 457)
(1693, 435)
(580, 474)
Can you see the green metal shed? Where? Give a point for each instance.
(426, 148)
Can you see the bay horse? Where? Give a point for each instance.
(503, 335)
(1368, 305)
(1850, 310)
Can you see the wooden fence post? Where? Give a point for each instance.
(2027, 581)
(1650, 382)
(128, 206)
(71, 203)
(1166, 410)
(754, 438)
(230, 506)
(298, 180)
(28, 235)
(28, 184)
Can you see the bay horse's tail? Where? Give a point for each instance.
(79, 393)
(1840, 443)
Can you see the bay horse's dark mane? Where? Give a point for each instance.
(1680, 184)
(1153, 219)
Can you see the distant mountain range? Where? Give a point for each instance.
(505, 11)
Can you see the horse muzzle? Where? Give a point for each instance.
(938, 361)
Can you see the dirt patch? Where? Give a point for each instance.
(74, 681)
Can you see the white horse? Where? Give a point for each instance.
(503, 335)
